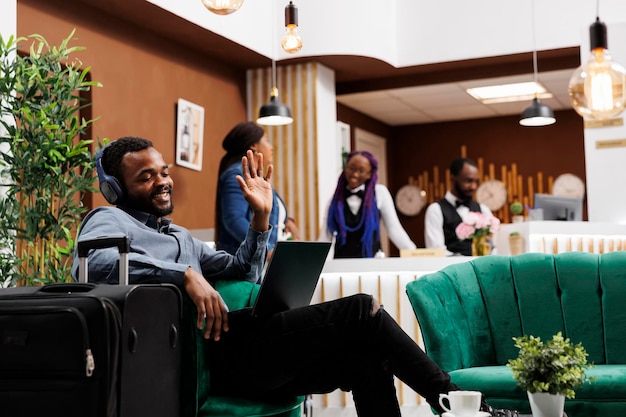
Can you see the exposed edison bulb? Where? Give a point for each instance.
(291, 42)
(222, 7)
(597, 89)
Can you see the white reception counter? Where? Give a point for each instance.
(564, 236)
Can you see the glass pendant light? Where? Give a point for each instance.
(222, 7)
(291, 42)
(537, 114)
(597, 89)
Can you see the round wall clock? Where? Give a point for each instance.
(410, 199)
(568, 185)
(492, 193)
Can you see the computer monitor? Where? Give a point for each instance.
(559, 208)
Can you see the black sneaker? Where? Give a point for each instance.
(499, 412)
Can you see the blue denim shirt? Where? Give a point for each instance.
(234, 220)
(161, 252)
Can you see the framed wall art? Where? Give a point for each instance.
(189, 134)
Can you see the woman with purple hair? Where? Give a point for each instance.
(358, 205)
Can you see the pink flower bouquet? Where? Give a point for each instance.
(476, 224)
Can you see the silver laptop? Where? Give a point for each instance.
(290, 278)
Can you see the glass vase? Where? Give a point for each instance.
(481, 246)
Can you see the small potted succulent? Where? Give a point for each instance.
(516, 209)
(516, 243)
(549, 372)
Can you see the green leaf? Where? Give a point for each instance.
(557, 366)
(48, 166)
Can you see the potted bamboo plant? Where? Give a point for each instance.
(549, 372)
(45, 162)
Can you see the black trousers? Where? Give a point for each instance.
(319, 348)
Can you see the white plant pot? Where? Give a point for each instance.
(543, 404)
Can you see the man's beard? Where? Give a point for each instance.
(148, 206)
(463, 195)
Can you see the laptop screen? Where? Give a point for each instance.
(291, 276)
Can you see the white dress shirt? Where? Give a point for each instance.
(388, 215)
(282, 219)
(433, 222)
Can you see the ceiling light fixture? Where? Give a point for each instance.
(274, 113)
(537, 114)
(291, 42)
(222, 7)
(508, 93)
(597, 88)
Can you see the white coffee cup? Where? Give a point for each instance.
(462, 403)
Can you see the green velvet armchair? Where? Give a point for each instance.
(196, 397)
(469, 312)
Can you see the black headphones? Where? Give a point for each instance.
(109, 185)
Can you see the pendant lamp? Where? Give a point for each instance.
(597, 88)
(222, 7)
(274, 113)
(537, 114)
(291, 42)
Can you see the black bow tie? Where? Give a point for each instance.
(465, 203)
(356, 193)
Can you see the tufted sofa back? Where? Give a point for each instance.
(469, 312)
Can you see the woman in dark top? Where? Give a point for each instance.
(354, 213)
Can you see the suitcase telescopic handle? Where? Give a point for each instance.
(120, 241)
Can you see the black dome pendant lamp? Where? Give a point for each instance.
(274, 112)
(537, 114)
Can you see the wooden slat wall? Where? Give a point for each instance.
(295, 145)
(519, 188)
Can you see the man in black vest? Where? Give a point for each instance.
(443, 216)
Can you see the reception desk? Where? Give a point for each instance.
(563, 236)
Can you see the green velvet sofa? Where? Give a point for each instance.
(469, 312)
(197, 399)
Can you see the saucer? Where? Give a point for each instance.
(479, 414)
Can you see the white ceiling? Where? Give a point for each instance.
(449, 102)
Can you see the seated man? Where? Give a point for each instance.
(350, 343)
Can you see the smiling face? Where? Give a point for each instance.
(358, 170)
(148, 183)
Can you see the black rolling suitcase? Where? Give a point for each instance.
(82, 350)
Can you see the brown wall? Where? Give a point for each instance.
(143, 76)
(356, 119)
(411, 150)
